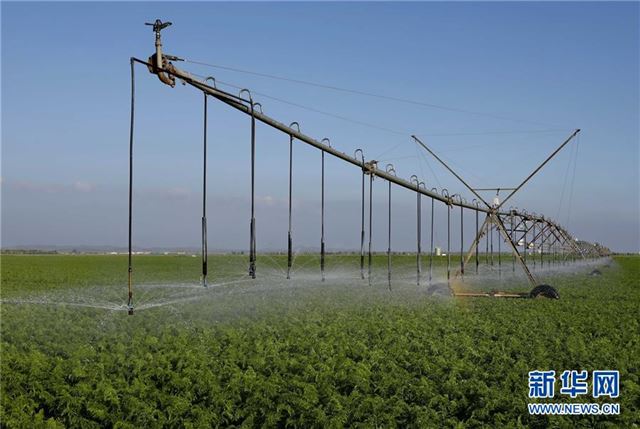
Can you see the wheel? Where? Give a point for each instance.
(545, 291)
(596, 272)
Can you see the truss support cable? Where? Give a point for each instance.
(417, 140)
(130, 262)
(204, 196)
(539, 167)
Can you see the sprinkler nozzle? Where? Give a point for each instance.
(130, 310)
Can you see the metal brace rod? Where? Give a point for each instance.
(501, 228)
(417, 140)
(540, 166)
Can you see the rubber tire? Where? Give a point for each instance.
(544, 291)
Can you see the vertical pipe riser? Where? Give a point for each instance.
(252, 226)
(289, 238)
(389, 243)
(204, 196)
(462, 241)
(362, 223)
(448, 242)
(431, 241)
(289, 255)
(322, 223)
(370, 261)
(130, 238)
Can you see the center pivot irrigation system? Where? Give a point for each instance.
(528, 236)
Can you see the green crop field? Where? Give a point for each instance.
(300, 353)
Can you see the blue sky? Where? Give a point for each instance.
(549, 67)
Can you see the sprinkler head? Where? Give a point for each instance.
(130, 310)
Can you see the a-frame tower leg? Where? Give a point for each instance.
(493, 218)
